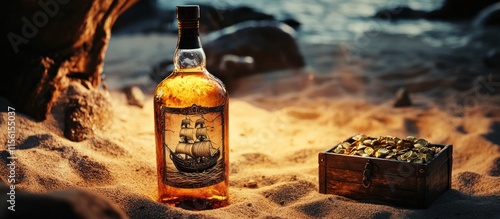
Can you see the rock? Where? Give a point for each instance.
(295, 24)
(135, 96)
(48, 44)
(402, 98)
(271, 44)
(61, 204)
(251, 184)
(232, 63)
(459, 9)
(399, 13)
(490, 16)
(492, 58)
(87, 111)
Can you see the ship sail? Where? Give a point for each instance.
(186, 123)
(203, 149)
(184, 148)
(199, 122)
(187, 134)
(201, 133)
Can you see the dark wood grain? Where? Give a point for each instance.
(357, 163)
(379, 178)
(358, 192)
(322, 174)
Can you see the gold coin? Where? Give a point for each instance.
(422, 142)
(408, 149)
(410, 138)
(345, 144)
(361, 147)
(390, 155)
(369, 151)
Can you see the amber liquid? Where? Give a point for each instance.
(183, 88)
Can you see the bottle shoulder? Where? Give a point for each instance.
(183, 89)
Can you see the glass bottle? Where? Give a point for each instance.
(191, 126)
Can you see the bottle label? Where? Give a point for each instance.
(193, 146)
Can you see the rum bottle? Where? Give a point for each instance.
(191, 126)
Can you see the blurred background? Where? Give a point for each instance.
(327, 21)
(324, 21)
(392, 42)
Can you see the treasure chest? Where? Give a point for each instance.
(404, 172)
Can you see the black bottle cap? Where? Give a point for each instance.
(188, 12)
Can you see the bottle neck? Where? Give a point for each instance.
(189, 55)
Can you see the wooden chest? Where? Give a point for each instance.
(395, 182)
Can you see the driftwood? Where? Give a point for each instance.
(47, 44)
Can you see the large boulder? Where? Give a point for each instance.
(271, 44)
(46, 45)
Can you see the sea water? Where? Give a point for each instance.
(328, 21)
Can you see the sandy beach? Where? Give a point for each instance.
(279, 122)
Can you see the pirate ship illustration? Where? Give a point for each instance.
(195, 151)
